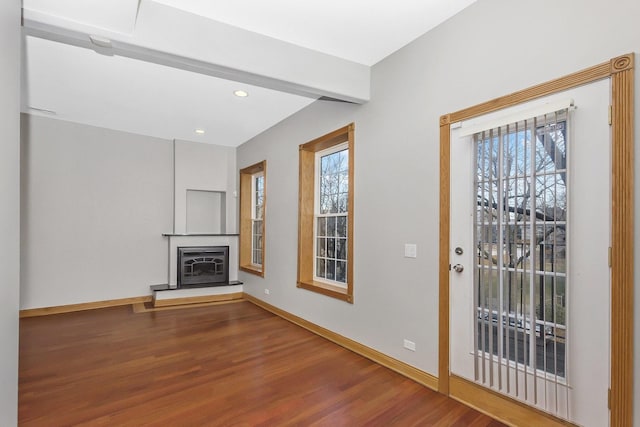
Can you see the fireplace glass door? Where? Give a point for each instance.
(203, 266)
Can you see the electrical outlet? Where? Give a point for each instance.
(266, 291)
(409, 345)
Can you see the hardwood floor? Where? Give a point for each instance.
(221, 365)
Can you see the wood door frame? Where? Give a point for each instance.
(621, 72)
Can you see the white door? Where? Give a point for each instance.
(530, 233)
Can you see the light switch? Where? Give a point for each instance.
(410, 250)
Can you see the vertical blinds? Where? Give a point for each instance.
(521, 283)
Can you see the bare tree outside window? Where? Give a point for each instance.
(331, 221)
(258, 209)
(521, 224)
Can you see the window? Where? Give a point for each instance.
(521, 243)
(257, 223)
(331, 207)
(325, 215)
(252, 217)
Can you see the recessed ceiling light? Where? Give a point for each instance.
(200, 131)
(241, 93)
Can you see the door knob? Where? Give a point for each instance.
(458, 268)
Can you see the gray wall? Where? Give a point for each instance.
(206, 211)
(204, 167)
(94, 205)
(491, 49)
(9, 208)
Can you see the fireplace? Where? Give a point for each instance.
(203, 266)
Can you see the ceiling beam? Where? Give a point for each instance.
(175, 38)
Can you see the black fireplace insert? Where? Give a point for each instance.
(203, 266)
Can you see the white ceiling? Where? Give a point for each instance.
(126, 93)
(363, 31)
(83, 86)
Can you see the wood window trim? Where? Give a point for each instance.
(246, 205)
(306, 213)
(621, 72)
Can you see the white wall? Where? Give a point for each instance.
(9, 208)
(95, 203)
(204, 167)
(493, 48)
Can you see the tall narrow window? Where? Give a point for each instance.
(325, 234)
(331, 214)
(257, 209)
(252, 218)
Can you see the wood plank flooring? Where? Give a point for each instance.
(221, 365)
